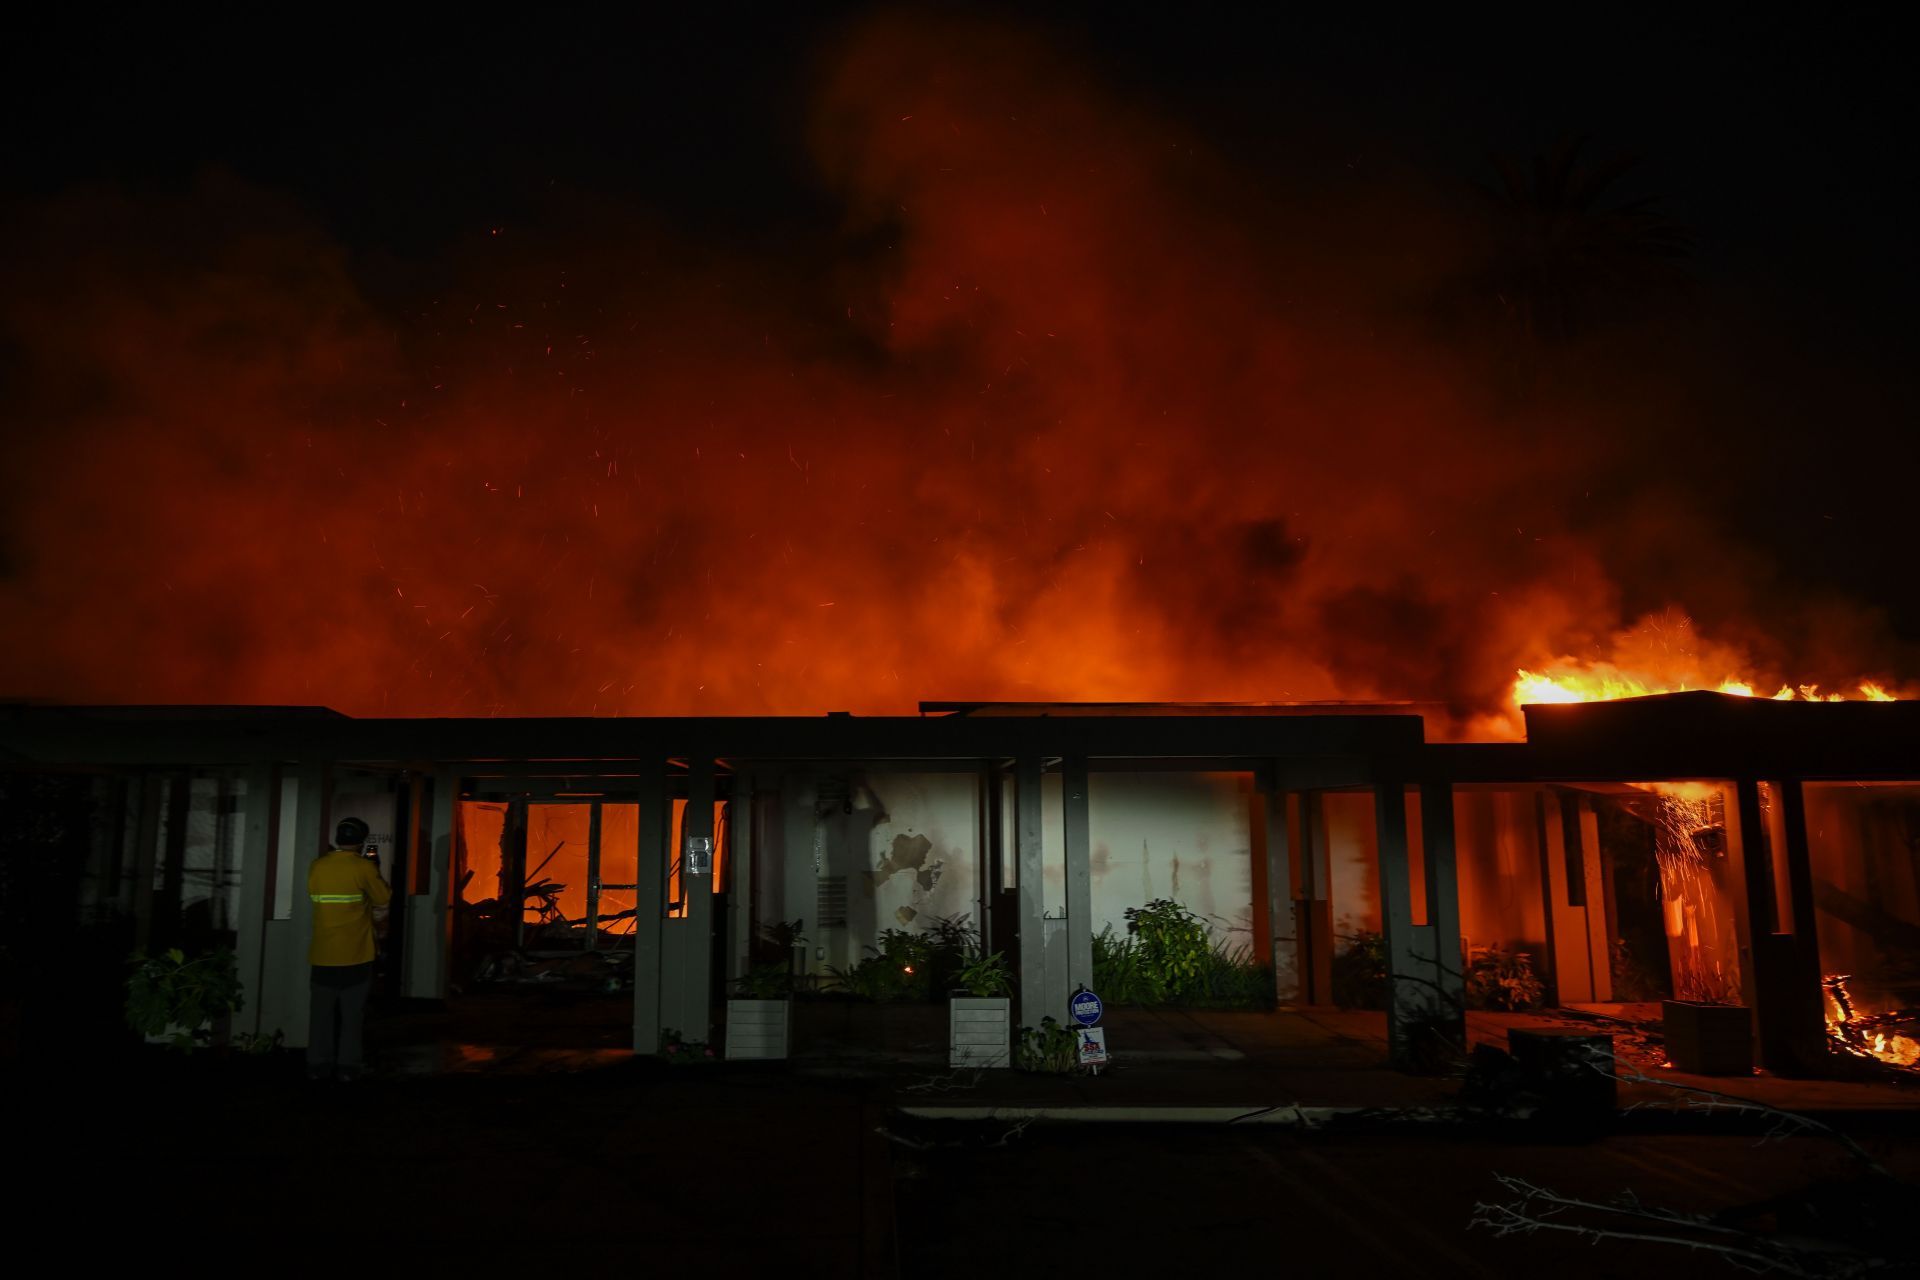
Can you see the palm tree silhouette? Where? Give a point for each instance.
(1563, 258)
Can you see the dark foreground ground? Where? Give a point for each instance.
(634, 1168)
(517, 1135)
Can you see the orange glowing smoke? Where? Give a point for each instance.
(1057, 405)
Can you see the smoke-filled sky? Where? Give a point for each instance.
(840, 360)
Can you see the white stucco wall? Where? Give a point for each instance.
(1352, 863)
(912, 851)
(1182, 836)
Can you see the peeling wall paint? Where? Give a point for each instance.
(923, 853)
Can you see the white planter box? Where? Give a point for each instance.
(980, 1031)
(757, 1028)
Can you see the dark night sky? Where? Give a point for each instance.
(1783, 139)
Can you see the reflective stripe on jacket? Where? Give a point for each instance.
(344, 889)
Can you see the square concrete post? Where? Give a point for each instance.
(1282, 932)
(1809, 1051)
(1313, 916)
(430, 914)
(256, 870)
(1598, 895)
(1035, 999)
(1073, 794)
(1443, 890)
(740, 855)
(687, 975)
(650, 904)
(146, 850)
(1761, 963)
(1412, 998)
(311, 837)
(1789, 1010)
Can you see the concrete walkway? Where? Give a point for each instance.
(1194, 1064)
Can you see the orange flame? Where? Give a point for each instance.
(1601, 682)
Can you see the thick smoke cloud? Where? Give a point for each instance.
(1067, 408)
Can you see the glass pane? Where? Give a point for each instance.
(557, 842)
(619, 864)
(481, 826)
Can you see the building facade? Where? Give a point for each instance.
(1693, 846)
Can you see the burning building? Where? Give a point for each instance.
(1697, 846)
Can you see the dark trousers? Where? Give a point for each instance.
(339, 1004)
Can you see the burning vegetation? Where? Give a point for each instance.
(1875, 1037)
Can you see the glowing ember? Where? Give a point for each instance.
(1869, 1036)
(1689, 823)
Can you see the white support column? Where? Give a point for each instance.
(1599, 941)
(1443, 907)
(309, 835)
(1074, 793)
(741, 814)
(430, 914)
(1283, 939)
(690, 1009)
(256, 869)
(1410, 992)
(1567, 923)
(1036, 1000)
(650, 904)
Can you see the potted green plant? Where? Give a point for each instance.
(1048, 1049)
(181, 1002)
(1503, 980)
(980, 1013)
(759, 1014)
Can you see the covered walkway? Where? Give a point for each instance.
(1311, 1057)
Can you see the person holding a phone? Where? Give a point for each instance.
(348, 898)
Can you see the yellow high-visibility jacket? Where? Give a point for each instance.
(345, 888)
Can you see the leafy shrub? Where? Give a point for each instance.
(169, 990)
(1170, 958)
(1233, 979)
(984, 976)
(1118, 972)
(765, 982)
(1049, 1049)
(774, 943)
(1632, 979)
(1360, 972)
(953, 943)
(1174, 944)
(1502, 980)
(910, 965)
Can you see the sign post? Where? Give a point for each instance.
(1085, 1009)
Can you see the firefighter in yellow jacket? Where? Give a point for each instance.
(348, 898)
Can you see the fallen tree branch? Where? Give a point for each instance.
(1700, 1098)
